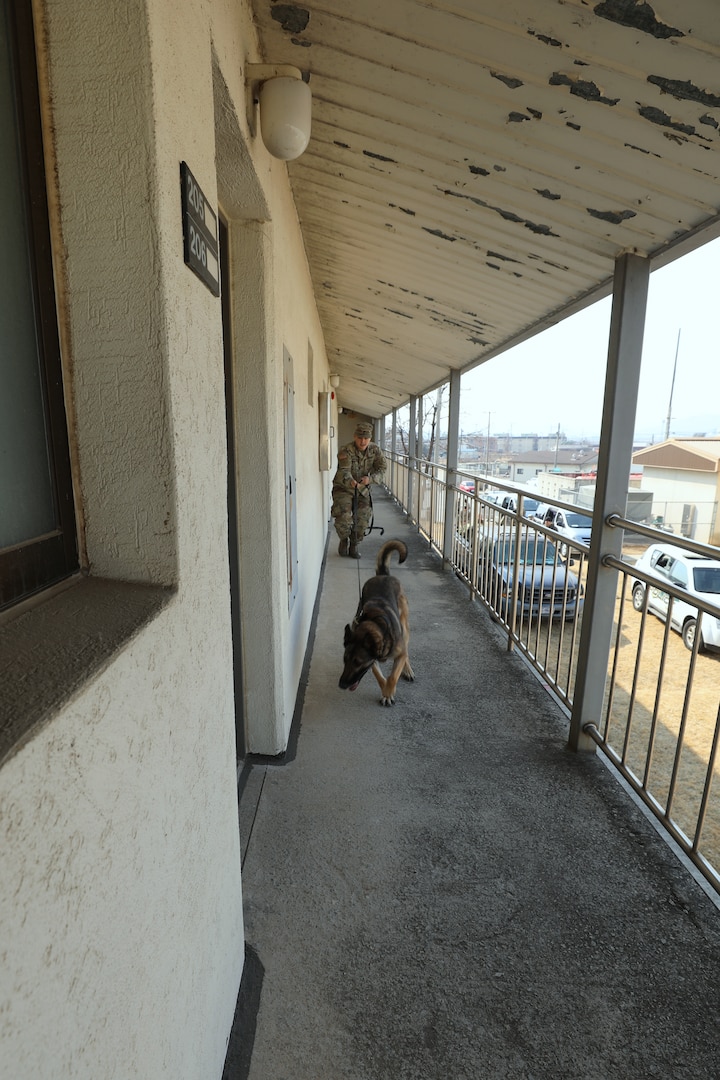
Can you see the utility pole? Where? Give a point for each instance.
(672, 389)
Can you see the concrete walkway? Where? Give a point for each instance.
(441, 890)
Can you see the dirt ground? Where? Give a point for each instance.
(647, 710)
(666, 703)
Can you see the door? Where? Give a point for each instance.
(290, 481)
(233, 550)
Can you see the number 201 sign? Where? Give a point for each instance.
(199, 221)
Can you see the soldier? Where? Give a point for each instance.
(360, 463)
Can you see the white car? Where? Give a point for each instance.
(569, 523)
(530, 505)
(696, 575)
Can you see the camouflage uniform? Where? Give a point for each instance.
(353, 464)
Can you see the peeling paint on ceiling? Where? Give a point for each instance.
(582, 88)
(685, 90)
(638, 15)
(491, 160)
(291, 17)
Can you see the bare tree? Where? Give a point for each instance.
(434, 424)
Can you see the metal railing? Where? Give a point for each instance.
(660, 726)
(510, 563)
(661, 717)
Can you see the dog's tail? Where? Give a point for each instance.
(382, 566)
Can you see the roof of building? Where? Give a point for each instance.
(696, 455)
(564, 457)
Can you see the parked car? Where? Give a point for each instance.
(697, 575)
(570, 523)
(529, 505)
(546, 587)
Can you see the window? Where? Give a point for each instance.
(707, 579)
(38, 543)
(679, 575)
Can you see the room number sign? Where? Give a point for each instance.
(200, 234)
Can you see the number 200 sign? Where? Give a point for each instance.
(200, 245)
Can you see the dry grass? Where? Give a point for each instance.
(647, 735)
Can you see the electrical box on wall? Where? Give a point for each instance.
(326, 431)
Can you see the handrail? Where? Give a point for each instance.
(677, 592)
(617, 521)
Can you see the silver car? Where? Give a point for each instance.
(696, 575)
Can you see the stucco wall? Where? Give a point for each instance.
(273, 312)
(120, 892)
(294, 310)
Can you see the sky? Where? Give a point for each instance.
(557, 378)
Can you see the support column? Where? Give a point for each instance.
(393, 462)
(420, 419)
(452, 464)
(614, 464)
(412, 447)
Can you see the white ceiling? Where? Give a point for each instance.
(475, 168)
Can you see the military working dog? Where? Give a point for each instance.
(380, 629)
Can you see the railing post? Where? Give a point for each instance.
(614, 463)
(452, 464)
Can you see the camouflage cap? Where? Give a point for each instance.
(364, 430)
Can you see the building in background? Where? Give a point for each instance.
(684, 478)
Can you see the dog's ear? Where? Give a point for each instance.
(348, 634)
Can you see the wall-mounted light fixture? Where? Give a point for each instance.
(285, 104)
(334, 381)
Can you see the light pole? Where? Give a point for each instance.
(672, 390)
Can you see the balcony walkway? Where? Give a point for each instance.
(441, 890)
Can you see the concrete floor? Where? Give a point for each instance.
(441, 890)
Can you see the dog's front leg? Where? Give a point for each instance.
(389, 685)
(382, 683)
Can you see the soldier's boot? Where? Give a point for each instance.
(343, 549)
(354, 552)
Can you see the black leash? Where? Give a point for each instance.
(372, 527)
(354, 534)
(377, 528)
